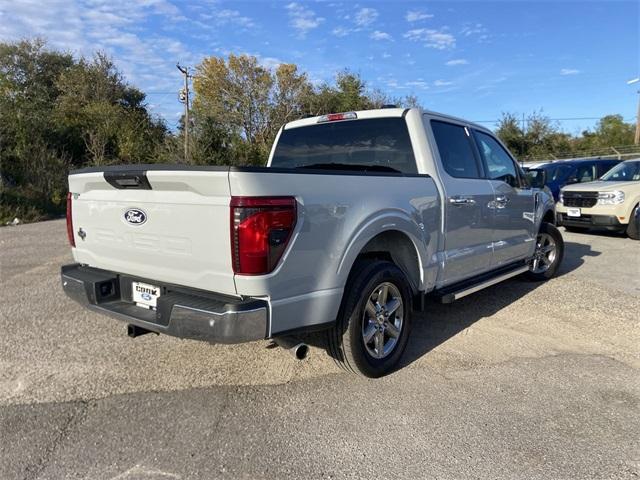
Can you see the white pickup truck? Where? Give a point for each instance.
(356, 217)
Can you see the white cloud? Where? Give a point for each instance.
(442, 83)
(473, 29)
(378, 35)
(477, 30)
(341, 31)
(417, 15)
(269, 62)
(456, 61)
(569, 71)
(420, 84)
(303, 19)
(366, 16)
(438, 39)
(386, 55)
(226, 16)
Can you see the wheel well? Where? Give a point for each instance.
(395, 247)
(549, 217)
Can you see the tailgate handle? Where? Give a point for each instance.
(131, 179)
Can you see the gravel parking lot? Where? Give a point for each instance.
(520, 380)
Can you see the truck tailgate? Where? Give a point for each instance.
(175, 232)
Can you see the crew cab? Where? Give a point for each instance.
(611, 203)
(355, 218)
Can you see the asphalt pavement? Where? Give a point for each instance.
(519, 381)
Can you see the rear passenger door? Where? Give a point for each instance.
(514, 224)
(468, 218)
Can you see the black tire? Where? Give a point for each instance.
(554, 233)
(633, 229)
(346, 342)
(575, 229)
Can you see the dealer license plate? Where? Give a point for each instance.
(145, 295)
(573, 212)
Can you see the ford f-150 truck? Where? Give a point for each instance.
(355, 218)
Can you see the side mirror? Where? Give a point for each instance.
(537, 178)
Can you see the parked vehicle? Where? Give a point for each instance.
(531, 165)
(566, 172)
(356, 217)
(610, 203)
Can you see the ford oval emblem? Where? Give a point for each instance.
(135, 216)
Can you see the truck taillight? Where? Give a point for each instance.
(260, 231)
(72, 240)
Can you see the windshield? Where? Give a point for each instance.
(377, 144)
(623, 172)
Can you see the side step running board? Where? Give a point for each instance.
(450, 296)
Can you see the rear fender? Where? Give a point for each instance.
(393, 220)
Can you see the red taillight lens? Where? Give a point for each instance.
(72, 240)
(260, 231)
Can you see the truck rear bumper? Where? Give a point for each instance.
(181, 312)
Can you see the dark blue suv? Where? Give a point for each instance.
(557, 174)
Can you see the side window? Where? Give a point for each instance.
(500, 166)
(560, 173)
(584, 173)
(456, 151)
(604, 167)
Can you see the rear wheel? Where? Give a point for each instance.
(374, 321)
(633, 229)
(548, 253)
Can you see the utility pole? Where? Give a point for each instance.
(184, 98)
(636, 140)
(522, 142)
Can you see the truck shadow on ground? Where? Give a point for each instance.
(438, 323)
(441, 322)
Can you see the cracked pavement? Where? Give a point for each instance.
(520, 380)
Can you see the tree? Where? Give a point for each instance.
(57, 113)
(108, 114)
(237, 94)
(511, 134)
(611, 130)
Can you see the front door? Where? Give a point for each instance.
(514, 206)
(468, 213)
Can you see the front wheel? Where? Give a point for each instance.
(633, 229)
(374, 320)
(548, 253)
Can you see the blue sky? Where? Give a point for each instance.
(470, 59)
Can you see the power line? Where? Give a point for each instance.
(555, 119)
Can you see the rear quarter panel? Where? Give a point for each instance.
(337, 215)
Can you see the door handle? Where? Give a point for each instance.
(460, 201)
(501, 201)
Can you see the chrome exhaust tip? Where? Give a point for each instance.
(294, 346)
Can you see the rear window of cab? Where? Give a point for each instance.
(374, 142)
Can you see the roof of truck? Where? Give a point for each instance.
(381, 113)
